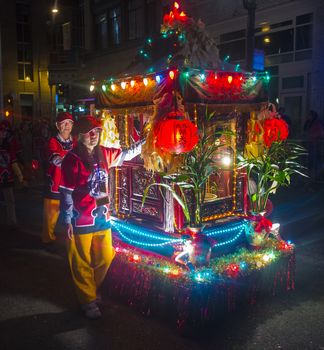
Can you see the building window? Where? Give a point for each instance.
(24, 44)
(26, 106)
(114, 26)
(135, 19)
(153, 23)
(276, 43)
(102, 32)
(293, 82)
(304, 31)
(232, 45)
(235, 50)
(304, 19)
(304, 37)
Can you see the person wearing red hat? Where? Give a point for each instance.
(85, 208)
(57, 149)
(8, 167)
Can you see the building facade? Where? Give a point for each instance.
(24, 30)
(288, 32)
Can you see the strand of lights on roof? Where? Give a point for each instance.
(217, 79)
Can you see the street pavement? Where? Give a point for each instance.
(38, 308)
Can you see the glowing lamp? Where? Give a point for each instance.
(132, 83)
(103, 87)
(113, 87)
(7, 114)
(171, 74)
(158, 79)
(91, 88)
(176, 5)
(123, 85)
(145, 81)
(229, 79)
(226, 160)
(175, 134)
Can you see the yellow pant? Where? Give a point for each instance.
(51, 213)
(90, 256)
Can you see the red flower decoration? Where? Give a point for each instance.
(262, 224)
(275, 130)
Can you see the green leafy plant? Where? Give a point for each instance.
(271, 170)
(193, 175)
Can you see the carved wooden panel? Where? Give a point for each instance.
(221, 206)
(124, 191)
(140, 180)
(111, 187)
(149, 210)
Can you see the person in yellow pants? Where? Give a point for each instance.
(85, 210)
(93, 249)
(58, 147)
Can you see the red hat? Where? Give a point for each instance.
(86, 124)
(64, 116)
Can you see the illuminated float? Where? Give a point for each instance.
(192, 238)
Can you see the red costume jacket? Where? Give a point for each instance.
(87, 182)
(57, 150)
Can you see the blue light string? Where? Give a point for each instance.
(230, 240)
(216, 232)
(171, 241)
(141, 232)
(167, 240)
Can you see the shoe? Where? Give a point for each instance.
(91, 311)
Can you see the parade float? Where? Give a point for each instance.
(190, 217)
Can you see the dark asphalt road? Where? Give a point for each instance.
(38, 309)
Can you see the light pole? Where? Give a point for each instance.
(250, 6)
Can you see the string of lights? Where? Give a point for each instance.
(128, 231)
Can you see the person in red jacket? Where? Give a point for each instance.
(85, 208)
(57, 149)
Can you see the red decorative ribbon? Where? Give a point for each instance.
(262, 224)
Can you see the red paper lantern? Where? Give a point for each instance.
(174, 134)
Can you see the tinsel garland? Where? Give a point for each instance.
(156, 286)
